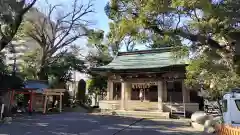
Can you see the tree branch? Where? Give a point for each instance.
(17, 20)
(192, 37)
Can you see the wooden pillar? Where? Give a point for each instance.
(12, 97)
(110, 90)
(129, 90)
(45, 104)
(185, 93)
(60, 104)
(160, 95)
(123, 95)
(165, 92)
(30, 102)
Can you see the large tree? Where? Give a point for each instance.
(59, 71)
(98, 56)
(11, 17)
(205, 23)
(59, 29)
(208, 28)
(166, 18)
(116, 40)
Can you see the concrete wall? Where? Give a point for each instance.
(146, 106)
(190, 107)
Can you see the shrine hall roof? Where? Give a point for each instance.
(147, 59)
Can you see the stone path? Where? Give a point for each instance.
(86, 124)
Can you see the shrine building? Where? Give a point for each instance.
(156, 73)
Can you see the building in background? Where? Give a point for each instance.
(72, 85)
(14, 52)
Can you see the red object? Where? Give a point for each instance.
(23, 92)
(12, 97)
(30, 103)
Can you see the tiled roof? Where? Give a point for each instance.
(147, 59)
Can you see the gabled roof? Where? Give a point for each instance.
(147, 59)
(37, 84)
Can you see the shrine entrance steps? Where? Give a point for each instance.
(139, 114)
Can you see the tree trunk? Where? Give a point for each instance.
(42, 74)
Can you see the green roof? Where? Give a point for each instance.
(148, 59)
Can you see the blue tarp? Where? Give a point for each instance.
(40, 86)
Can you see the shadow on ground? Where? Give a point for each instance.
(87, 124)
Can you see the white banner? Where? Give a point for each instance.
(143, 85)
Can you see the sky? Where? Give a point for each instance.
(99, 17)
(100, 22)
(102, 19)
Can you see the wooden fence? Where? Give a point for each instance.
(227, 130)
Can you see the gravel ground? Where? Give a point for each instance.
(86, 124)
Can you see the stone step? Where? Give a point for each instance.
(143, 114)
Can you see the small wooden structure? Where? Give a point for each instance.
(43, 97)
(30, 91)
(43, 94)
(53, 92)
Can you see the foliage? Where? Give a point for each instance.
(100, 54)
(59, 68)
(11, 17)
(215, 75)
(209, 29)
(97, 85)
(9, 81)
(19, 97)
(66, 99)
(63, 65)
(3, 66)
(204, 23)
(57, 30)
(30, 64)
(6, 79)
(116, 40)
(98, 57)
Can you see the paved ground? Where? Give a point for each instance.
(85, 124)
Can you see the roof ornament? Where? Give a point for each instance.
(114, 76)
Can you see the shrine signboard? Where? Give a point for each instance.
(143, 85)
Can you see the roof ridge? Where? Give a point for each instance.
(157, 50)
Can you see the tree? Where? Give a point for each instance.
(116, 40)
(58, 70)
(204, 23)
(11, 17)
(58, 30)
(163, 18)
(209, 29)
(99, 56)
(213, 74)
(30, 64)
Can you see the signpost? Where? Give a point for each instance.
(2, 110)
